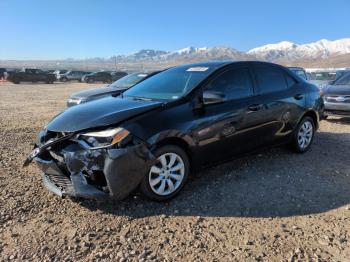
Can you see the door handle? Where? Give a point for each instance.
(298, 96)
(256, 107)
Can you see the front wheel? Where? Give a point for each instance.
(167, 175)
(304, 135)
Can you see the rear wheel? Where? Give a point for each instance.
(304, 135)
(167, 175)
(90, 80)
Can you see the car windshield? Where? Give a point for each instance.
(170, 84)
(128, 81)
(343, 80)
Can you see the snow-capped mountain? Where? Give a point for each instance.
(144, 54)
(291, 51)
(183, 52)
(187, 54)
(285, 52)
(323, 53)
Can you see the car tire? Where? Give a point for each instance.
(16, 82)
(303, 135)
(64, 79)
(90, 81)
(167, 174)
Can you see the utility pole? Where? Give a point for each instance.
(115, 63)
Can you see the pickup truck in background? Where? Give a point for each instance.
(31, 75)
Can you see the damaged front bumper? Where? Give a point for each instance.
(71, 169)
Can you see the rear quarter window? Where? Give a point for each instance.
(270, 79)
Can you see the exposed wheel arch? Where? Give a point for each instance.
(313, 115)
(176, 141)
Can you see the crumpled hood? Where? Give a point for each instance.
(100, 112)
(337, 90)
(96, 92)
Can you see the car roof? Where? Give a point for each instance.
(219, 64)
(296, 67)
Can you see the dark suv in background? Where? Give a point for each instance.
(2, 73)
(166, 126)
(103, 76)
(31, 75)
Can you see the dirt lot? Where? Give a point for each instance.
(273, 206)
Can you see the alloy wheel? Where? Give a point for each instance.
(305, 134)
(167, 174)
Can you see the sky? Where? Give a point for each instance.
(42, 29)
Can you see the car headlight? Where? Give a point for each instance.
(105, 138)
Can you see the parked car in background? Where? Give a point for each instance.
(340, 73)
(337, 97)
(31, 75)
(114, 89)
(10, 71)
(2, 73)
(72, 76)
(183, 118)
(322, 78)
(102, 76)
(59, 72)
(117, 75)
(299, 71)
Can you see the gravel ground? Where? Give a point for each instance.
(273, 206)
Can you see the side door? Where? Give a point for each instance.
(74, 75)
(29, 75)
(40, 75)
(100, 76)
(233, 126)
(283, 100)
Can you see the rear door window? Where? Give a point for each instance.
(290, 80)
(235, 83)
(270, 79)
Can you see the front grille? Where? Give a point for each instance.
(62, 182)
(338, 99)
(46, 136)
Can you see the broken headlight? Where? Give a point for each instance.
(104, 138)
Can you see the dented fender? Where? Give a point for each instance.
(125, 168)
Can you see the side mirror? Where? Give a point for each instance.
(213, 97)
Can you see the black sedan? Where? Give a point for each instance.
(337, 97)
(173, 123)
(114, 89)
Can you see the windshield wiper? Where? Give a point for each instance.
(141, 98)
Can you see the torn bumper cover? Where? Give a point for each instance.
(73, 170)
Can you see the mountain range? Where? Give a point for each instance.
(285, 52)
(322, 53)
